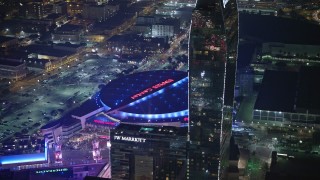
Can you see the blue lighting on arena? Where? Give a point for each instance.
(23, 158)
(142, 98)
(155, 116)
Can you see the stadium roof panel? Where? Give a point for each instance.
(277, 91)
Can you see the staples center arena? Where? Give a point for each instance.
(146, 98)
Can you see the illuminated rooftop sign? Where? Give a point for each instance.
(131, 139)
(52, 170)
(155, 87)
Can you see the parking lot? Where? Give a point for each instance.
(30, 108)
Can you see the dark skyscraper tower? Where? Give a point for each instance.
(212, 64)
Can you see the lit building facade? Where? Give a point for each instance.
(99, 12)
(148, 152)
(212, 64)
(162, 30)
(60, 7)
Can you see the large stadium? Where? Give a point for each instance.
(149, 98)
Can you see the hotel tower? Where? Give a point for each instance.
(212, 66)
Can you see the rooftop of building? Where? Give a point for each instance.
(283, 29)
(134, 38)
(308, 89)
(54, 16)
(47, 50)
(69, 121)
(126, 37)
(277, 91)
(69, 45)
(4, 39)
(52, 124)
(292, 168)
(65, 121)
(10, 63)
(69, 27)
(288, 91)
(87, 107)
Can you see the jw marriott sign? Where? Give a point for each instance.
(132, 139)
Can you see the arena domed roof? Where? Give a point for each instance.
(144, 97)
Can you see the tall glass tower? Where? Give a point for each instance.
(212, 63)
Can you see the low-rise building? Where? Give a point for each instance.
(60, 7)
(162, 30)
(62, 128)
(135, 44)
(99, 12)
(68, 33)
(12, 70)
(290, 53)
(7, 43)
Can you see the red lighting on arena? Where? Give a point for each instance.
(155, 87)
(103, 122)
(104, 137)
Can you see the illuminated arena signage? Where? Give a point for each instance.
(132, 139)
(155, 87)
(52, 170)
(103, 122)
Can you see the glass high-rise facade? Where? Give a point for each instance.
(212, 64)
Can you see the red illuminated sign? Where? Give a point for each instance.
(103, 122)
(155, 87)
(104, 137)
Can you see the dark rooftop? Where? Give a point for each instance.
(277, 92)
(10, 63)
(305, 167)
(5, 39)
(283, 90)
(68, 45)
(69, 27)
(53, 16)
(308, 89)
(47, 50)
(283, 29)
(51, 124)
(66, 120)
(126, 37)
(86, 107)
(69, 121)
